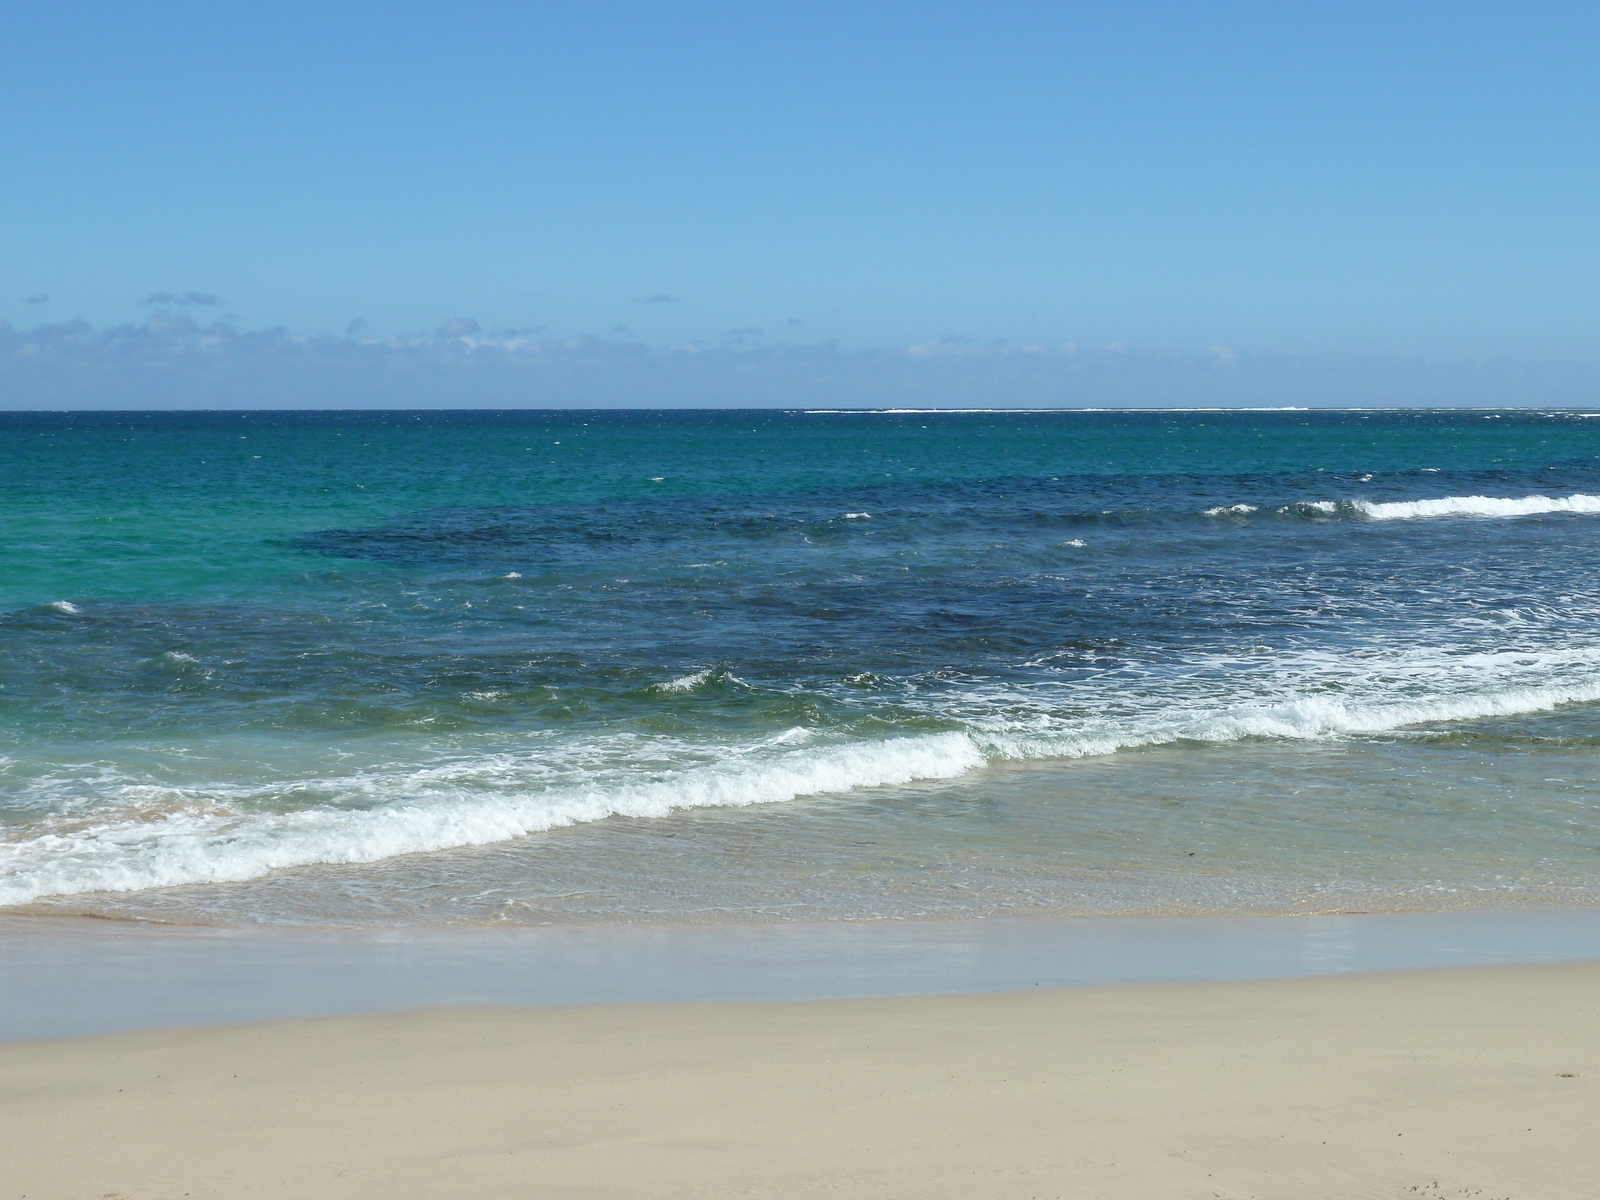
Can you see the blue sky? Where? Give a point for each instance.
(1391, 192)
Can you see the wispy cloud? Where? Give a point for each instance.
(459, 327)
(202, 299)
(169, 325)
(951, 344)
(36, 298)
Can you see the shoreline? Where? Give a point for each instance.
(1416, 1084)
(80, 976)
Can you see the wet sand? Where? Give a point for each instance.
(1446, 1083)
(65, 977)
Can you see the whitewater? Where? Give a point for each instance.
(203, 834)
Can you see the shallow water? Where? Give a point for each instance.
(536, 667)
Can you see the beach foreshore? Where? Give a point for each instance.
(1477, 1082)
(65, 977)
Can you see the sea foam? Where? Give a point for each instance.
(1476, 506)
(436, 809)
(1444, 506)
(683, 683)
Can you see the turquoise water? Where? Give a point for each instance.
(540, 666)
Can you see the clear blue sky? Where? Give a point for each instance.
(1410, 181)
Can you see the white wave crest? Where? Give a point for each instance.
(1301, 719)
(694, 681)
(64, 606)
(1305, 507)
(1476, 506)
(857, 516)
(1223, 510)
(467, 804)
(683, 683)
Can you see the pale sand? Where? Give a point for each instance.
(1417, 1084)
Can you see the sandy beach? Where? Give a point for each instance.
(1446, 1083)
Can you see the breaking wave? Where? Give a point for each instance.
(1476, 506)
(472, 803)
(159, 837)
(1444, 506)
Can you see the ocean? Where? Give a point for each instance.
(536, 667)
